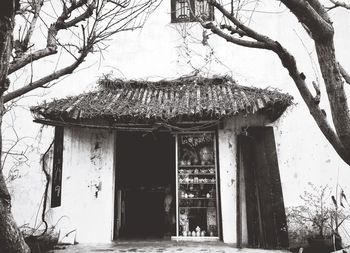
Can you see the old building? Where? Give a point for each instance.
(118, 147)
(192, 159)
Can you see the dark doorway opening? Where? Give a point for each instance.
(145, 171)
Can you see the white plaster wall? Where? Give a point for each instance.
(228, 168)
(28, 184)
(87, 161)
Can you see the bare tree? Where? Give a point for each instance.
(336, 3)
(314, 18)
(71, 30)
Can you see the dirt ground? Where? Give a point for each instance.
(158, 247)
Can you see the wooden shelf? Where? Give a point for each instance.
(196, 174)
(196, 183)
(197, 207)
(196, 180)
(197, 198)
(196, 166)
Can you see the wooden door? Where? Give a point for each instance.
(117, 213)
(266, 219)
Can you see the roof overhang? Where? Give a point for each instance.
(151, 105)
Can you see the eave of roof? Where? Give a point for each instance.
(184, 99)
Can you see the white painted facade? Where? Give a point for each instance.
(87, 185)
(88, 176)
(228, 182)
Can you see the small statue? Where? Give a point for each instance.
(198, 229)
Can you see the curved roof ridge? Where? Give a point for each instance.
(108, 82)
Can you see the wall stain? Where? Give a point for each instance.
(96, 151)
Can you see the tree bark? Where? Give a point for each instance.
(6, 29)
(11, 239)
(335, 90)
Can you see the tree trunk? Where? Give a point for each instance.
(289, 63)
(11, 239)
(335, 90)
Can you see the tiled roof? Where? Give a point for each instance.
(181, 99)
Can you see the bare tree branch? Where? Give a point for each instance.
(37, 7)
(340, 4)
(314, 17)
(241, 42)
(28, 58)
(233, 30)
(98, 21)
(249, 32)
(45, 80)
(51, 47)
(288, 61)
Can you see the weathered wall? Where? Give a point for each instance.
(228, 167)
(87, 188)
(26, 182)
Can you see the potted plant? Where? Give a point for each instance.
(317, 220)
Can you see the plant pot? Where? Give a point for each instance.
(320, 243)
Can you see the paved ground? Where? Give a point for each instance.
(158, 247)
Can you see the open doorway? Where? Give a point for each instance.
(145, 186)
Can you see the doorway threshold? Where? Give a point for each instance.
(196, 238)
(143, 239)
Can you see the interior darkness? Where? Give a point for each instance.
(145, 167)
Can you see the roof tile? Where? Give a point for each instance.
(197, 98)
